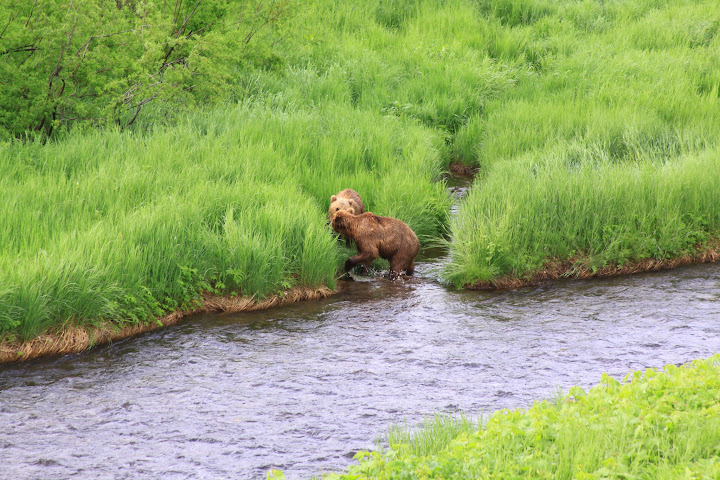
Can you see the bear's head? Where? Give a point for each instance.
(341, 204)
(341, 221)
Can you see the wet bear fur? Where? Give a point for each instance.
(347, 200)
(375, 236)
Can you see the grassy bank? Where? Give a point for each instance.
(654, 425)
(605, 155)
(76, 337)
(116, 227)
(539, 218)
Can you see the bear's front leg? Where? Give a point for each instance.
(362, 258)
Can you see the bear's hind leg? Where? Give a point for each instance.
(397, 268)
(411, 269)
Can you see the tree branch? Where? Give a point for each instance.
(275, 11)
(32, 10)
(24, 48)
(187, 19)
(177, 35)
(87, 44)
(11, 19)
(139, 106)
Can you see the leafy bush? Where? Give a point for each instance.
(65, 62)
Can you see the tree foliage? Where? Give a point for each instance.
(65, 61)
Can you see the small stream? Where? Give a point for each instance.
(303, 387)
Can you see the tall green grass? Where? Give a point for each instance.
(577, 203)
(655, 425)
(431, 66)
(606, 152)
(434, 435)
(114, 226)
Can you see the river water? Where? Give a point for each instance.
(303, 387)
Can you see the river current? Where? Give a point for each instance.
(302, 388)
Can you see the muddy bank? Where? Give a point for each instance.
(76, 339)
(461, 170)
(569, 269)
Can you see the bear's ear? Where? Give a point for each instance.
(351, 202)
(333, 198)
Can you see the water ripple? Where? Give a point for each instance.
(304, 387)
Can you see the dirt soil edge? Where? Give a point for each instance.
(461, 170)
(75, 339)
(569, 269)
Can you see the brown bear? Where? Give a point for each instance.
(375, 237)
(347, 200)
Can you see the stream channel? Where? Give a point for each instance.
(302, 388)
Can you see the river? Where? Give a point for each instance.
(303, 387)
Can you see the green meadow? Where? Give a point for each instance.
(144, 166)
(653, 425)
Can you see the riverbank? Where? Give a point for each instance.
(77, 339)
(547, 217)
(112, 226)
(573, 269)
(606, 152)
(655, 424)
